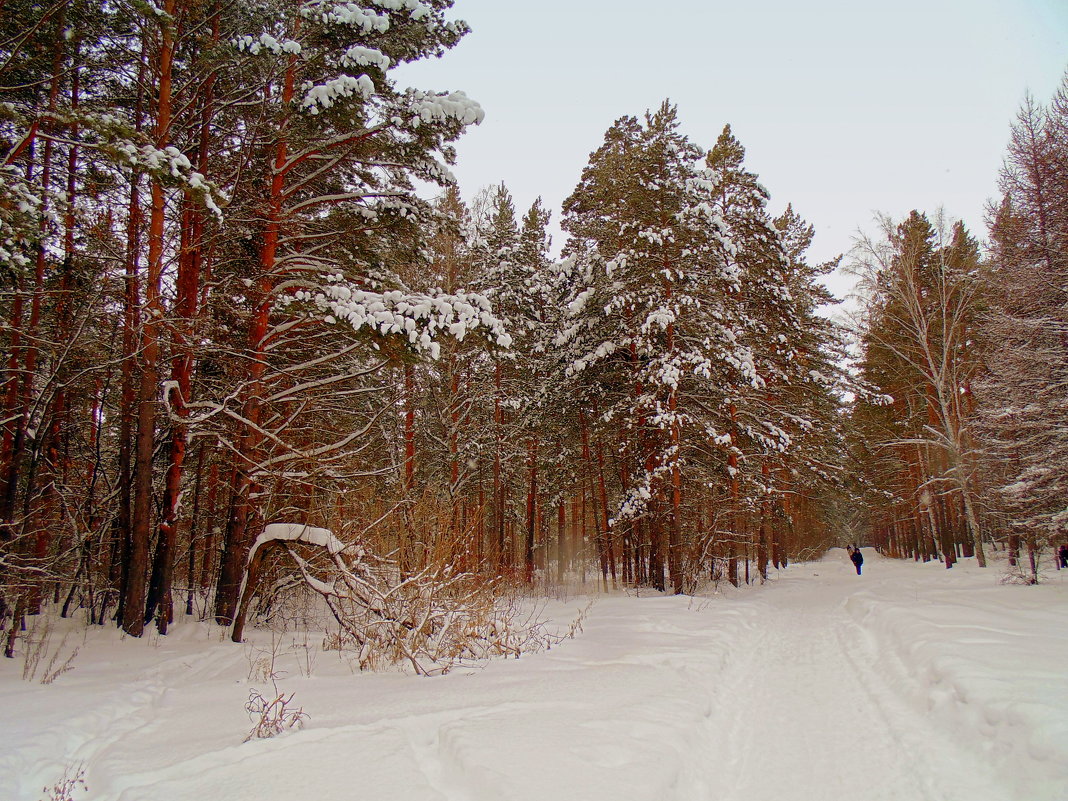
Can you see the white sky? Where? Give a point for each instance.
(845, 107)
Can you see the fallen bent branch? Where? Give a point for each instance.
(431, 620)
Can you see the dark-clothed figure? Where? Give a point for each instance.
(856, 557)
(1062, 555)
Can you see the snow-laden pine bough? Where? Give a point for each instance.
(432, 619)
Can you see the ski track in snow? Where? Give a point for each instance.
(905, 684)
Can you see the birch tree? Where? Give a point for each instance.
(919, 334)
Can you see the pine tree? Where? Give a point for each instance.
(656, 331)
(1022, 400)
(785, 422)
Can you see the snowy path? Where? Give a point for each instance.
(906, 684)
(818, 721)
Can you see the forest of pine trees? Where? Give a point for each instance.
(238, 286)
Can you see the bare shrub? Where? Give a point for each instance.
(56, 661)
(63, 790)
(1018, 574)
(261, 661)
(431, 621)
(304, 654)
(574, 628)
(272, 715)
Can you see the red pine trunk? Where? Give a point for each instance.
(238, 541)
(134, 606)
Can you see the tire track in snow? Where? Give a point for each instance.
(807, 714)
(893, 685)
(80, 739)
(440, 756)
(802, 726)
(105, 726)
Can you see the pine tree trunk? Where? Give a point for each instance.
(532, 495)
(675, 530)
(194, 521)
(207, 563)
(609, 530)
(765, 514)
(561, 539)
(243, 509)
(18, 441)
(735, 533)
(134, 616)
(498, 487)
(408, 535)
(123, 526)
(180, 386)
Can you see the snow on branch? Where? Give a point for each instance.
(324, 95)
(420, 318)
(295, 532)
(267, 43)
(346, 13)
(439, 107)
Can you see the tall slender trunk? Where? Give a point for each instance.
(675, 531)
(243, 509)
(455, 501)
(974, 531)
(409, 429)
(580, 549)
(408, 535)
(561, 537)
(194, 522)
(207, 560)
(778, 546)
(55, 465)
(498, 487)
(532, 496)
(123, 527)
(735, 534)
(186, 311)
(134, 604)
(609, 528)
(131, 321)
(765, 514)
(159, 600)
(89, 512)
(587, 456)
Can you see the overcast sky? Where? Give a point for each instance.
(845, 107)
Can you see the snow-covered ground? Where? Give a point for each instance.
(909, 682)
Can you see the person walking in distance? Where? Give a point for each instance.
(856, 557)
